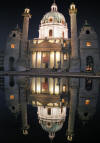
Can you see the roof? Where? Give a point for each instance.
(56, 16)
(54, 127)
(47, 46)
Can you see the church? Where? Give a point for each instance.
(53, 50)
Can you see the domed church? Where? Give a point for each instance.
(53, 49)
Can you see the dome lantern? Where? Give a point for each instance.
(54, 7)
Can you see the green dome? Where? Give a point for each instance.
(53, 16)
(51, 126)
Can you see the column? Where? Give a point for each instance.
(74, 39)
(41, 61)
(36, 61)
(53, 85)
(54, 59)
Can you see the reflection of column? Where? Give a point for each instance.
(55, 59)
(31, 60)
(40, 85)
(41, 59)
(36, 61)
(49, 60)
(25, 125)
(35, 85)
(60, 86)
(53, 85)
(72, 112)
(60, 59)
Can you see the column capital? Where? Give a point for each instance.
(73, 9)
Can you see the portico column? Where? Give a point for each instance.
(35, 85)
(53, 85)
(41, 59)
(54, 59)
(49, 61)
(36, 61)
(60, 59)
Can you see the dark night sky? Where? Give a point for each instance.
(10, 14)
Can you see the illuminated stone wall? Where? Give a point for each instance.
(57, 31)
(55, 112)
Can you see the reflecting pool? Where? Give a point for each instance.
(49, 109)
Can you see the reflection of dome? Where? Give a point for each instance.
(53, 24)
(51, 126)
(51, 119)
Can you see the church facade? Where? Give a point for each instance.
(53, 49)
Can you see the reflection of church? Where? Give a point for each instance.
(52, 102)
(53, 49)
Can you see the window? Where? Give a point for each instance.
(50, 19)
(88, 84)
(63, 101)
(12, 46)
(64, 88)
(86, 114)
(11, 63)
(87, 32)
(11, 81)
(62, 22)
(12, 97)
(61, 110)
(49, 124)
(89, 63)
(65, 56)
(64, 44)
(49, 111)
(13, 107)
(50, 33)
(63, 34)
(88, 44)
(87, 102)
(14, 35)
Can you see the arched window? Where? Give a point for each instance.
(49, 111)
(89, 63)
(88, 44)
(11, 81)
(63, 34)
(50, 19)
(88, 84)
(12, 46)
(50, 33)
(87, 32)
(11, 63)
